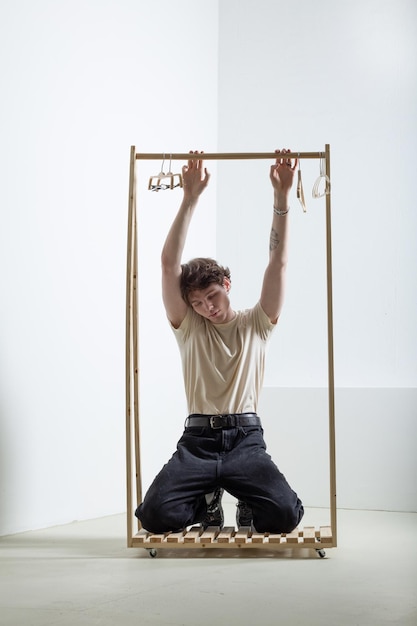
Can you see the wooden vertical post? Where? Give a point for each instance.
(135, 363)
(130, 262)
(332, 434)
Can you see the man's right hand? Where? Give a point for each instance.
(195, 177)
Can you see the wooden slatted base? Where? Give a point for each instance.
(229, 537)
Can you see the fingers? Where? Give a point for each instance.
(206, 176)
(195, 175)
(190, 161)
(197, 166)
(195, 163)
(283, 160)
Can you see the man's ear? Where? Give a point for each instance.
(227, 284)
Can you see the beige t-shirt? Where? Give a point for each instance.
(223, 364)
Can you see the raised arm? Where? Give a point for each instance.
(273, 287)
(195, 180)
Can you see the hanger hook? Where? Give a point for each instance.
(317, 192)
(162, 164)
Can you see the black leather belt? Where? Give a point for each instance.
(229, 420)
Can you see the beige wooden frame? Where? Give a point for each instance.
(308, 537)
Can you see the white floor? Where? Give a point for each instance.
(82, 574)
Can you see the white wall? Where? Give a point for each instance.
(375, 444)
(300, 75)
(81, 82)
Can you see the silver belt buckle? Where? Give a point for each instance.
(212, 418)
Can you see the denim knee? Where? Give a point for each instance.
(159, 519)
(283, 519)
(292, 517)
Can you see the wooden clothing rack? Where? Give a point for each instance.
(325, 536)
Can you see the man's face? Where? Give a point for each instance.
(213, 302)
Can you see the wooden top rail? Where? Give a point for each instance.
(213, 156)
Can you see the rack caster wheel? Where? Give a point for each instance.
(321, 553)
(152, 552)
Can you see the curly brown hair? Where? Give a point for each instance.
(199, 273)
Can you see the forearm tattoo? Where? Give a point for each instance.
(274, 240)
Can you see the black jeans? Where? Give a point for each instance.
(232, 458)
